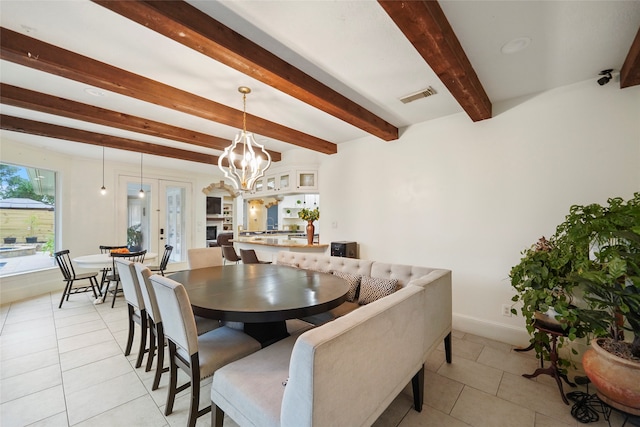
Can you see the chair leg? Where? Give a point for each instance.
(195, 391)
(67, 289)
(127, 351)
(173, 374)
(115, 292)
(143, 337)
(160, 364)
(152, 344)
(93, 286)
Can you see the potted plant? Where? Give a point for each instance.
(134, 237)
(611, 287)
(49, 246)
(9, 240)
(309, 215)
(550, 272)
(541, 280)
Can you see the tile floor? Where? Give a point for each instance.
(66, 367)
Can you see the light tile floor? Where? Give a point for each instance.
(66, 367)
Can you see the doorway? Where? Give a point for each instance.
(162, 217)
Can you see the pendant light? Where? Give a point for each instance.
(244, 171)
(103, 189)
(141, 193)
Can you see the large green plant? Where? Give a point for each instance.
(592, 250)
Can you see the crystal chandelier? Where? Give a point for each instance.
(243, 170)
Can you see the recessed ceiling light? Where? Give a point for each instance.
(95, 92)
(515, 45)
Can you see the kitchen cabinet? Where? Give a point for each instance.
(306, 180)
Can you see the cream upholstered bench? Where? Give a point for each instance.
(346, 371)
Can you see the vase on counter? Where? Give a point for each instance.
(310, 231)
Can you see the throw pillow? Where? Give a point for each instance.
(354, 283)
(373, 288)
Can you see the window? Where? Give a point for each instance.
(27, 214)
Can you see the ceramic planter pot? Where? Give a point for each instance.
(616, 379)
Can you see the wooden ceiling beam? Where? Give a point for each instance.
(424, 24)
(189, 26)
(24, 98)
(29, 52)
(31, 127)
(630, 71)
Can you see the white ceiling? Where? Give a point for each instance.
(351, 46)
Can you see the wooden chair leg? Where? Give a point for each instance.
(152, 344)
(127, 350)
(67, 288)
(143, 338)
(160, 364)
(115, 293)
(417, 383)
(94, 285)
(195, 390)
(173, 374)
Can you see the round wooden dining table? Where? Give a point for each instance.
(262, 296)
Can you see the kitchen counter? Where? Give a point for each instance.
(282, 242)
(267, 247)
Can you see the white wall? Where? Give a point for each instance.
(471, 196)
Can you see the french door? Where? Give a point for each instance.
(162, 217)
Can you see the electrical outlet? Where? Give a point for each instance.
(506, 310)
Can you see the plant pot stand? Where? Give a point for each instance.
(589, 406)
(553, 369)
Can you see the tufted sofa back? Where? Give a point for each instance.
(318, 262)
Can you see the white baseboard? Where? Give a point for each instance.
(496, 331)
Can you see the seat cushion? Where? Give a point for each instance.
(250, 390)
(222, 346)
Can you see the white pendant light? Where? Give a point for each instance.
(244, 170)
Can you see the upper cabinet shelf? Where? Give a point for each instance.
(287, 182)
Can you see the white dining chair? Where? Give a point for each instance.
(204, 257)
(197, 355)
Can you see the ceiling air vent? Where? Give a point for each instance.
(422, 94)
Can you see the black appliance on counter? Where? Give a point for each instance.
(344, 249)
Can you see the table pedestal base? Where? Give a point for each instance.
(266, 333)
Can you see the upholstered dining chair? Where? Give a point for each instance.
(164, 262)
(204, 257)
(105, 249)
(229, 254)
(114, 277)
(199, 356)
(135, 305)
(249, 257)
(68, 273)
(156, 330)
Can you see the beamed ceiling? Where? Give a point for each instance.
(322, 73)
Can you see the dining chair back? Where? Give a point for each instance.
(135, 305)
(164, 261)
(218, 347)
(249, 257)
(204, 257)
(68, 273)
(106, 249)
(156, 328)
(114, 277)
(229, 254)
